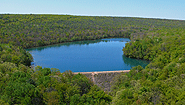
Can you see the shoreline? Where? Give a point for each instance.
(74, 41)
(97, 72)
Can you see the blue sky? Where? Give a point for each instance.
(168, 9)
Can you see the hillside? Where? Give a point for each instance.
(39, 30)
(160, 41)
(163, 80)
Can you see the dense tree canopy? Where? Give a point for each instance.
(22, 85)
(162, 42)
(17, 55)
(163, 80)
(39, 30)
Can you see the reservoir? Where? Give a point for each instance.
(86, 56)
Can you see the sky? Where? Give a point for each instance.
(165, 9)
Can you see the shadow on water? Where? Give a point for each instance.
(134, 62)
(87, 42)
(65, 44)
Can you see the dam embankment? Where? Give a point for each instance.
(102, 79)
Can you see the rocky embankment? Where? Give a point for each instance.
(103, 79)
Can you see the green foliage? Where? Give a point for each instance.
(19, 84)
(15, 55)
(46, 86)
(17, 87)
(39, 30)
(96, 96)
(162, 81)
(160, 41)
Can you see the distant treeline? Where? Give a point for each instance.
(39, 30)
(160, 41)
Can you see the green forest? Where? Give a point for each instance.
(160, 41)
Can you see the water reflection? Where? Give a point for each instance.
(87, 42)
(65, 44)
(134, 62)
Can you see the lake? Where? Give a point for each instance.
(86, 56)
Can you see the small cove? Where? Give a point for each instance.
(86, 56)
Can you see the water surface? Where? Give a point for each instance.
(86, 56)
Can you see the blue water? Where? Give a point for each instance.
(86, 56)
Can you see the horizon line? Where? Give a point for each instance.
(162, 18)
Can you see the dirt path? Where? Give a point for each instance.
(93, 73)
(97, 72)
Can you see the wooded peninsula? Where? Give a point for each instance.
(160, 41)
